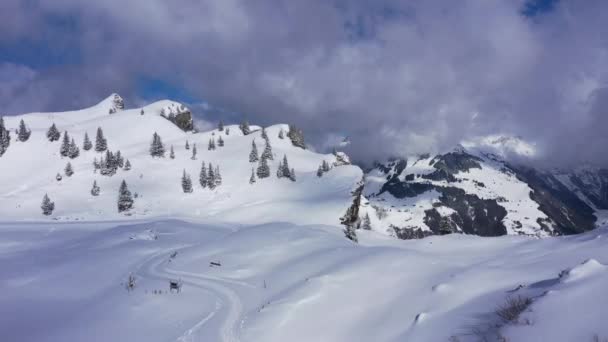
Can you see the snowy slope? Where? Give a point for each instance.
(283, 282)
(28, 172)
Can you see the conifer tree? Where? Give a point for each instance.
(96, 165)
(263, 170)
(297, 136)
(218, 176)
(186, 183)
(125, 200)
(253, 155)
(320, 171)
(202, 177)
(292, 175)
(325, 166)
(366, 223)
(69, 171)
(285, 170)
(95, 189)
(244, 127)
(187, 145)
(193, 152)
(227, 131)
(211, 145)
(47, 206)
(220, 126)
(220, 141)
(267, 154)
(5, 137)
(119, 160)
(141, 112)
(53, 133)
(58, 177)
(127, 165)
(280, 170)
(64, 150)
(211, 177)
(87, 144)
(281, 134)
(264, 135)
(157, 149)
(73, 150)
(252, 178)
(101, 144)
(23, 134)
(172, 153)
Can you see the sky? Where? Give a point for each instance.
(398, 77)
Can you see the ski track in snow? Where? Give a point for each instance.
(229, 303)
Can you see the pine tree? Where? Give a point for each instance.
(187, 145)
(320, 171)
(109, 164)
(95, 189)
(267, 154)
(366, 223)
(281, 134)
(253, 155)
(220, 141)
(218, 176)
(263, 170)
(297, 136)
(193, 152)
(244, 127)
(125, 200)
(58, 177)
(87, 144)
(23, 134)
(285, 170)
(211, 145)
(292, 175)
(119, 160)
(280, 170)
(227, 131)
(264, 135)
(186, 182)
(5, 137)
(96, 165)
(202, 177)
(325, 166)
(252, 178)
(101, 144)
(211, 177)
(73, 150)
(64, 150)
(53, 133)
(141, 112)
(69, 171)
(172, 153)
(47, 206)
(157, 149)
(220, 126)
(127, 165)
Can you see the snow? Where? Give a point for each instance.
(280, 281)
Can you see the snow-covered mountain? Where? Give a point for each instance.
(473, 190)
(29, 170)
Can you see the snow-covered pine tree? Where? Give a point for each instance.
(211, 177)
(280, 170)
(58, 177)
(23, 134)
(366, 223)
(172, 153)
(108, 165)
(127, 165)
(292, 175)
(244, 127)
(267, 154)
(95, 165)
(253, 155)
(193, 152)
(187, 145)
(281, 134)
(284, 167)
(157, 149)
(320, 171)
(218, 176)
(119, 160)
(53, 133)
(325, 166)
(47, 206)
(125, 200)
(202, 177)
(69, 171)
(101, 144)
(296, 136)
(141, 112)
(227, 131)
(264, 135)
(252, 178)
(263, 170)
(87, 144)
(186, 182)
(5, 137)
(220, 126)
(211, 145)
(220, 141)
(73, 150)
(64, 149)
(95, 189)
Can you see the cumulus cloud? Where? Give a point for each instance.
(397, 77)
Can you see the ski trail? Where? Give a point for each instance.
(229, 307)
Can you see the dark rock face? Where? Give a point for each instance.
(568, 212)
(182, 120)
(593, 186)
(449, 164)
(411, 233)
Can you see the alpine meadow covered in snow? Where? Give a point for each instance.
(313, 170)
